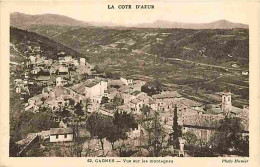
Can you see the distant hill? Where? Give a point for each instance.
(222, 46)
(221, 24)
(21, 42)
(24, 21)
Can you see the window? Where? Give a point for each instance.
(57, 136)
(65, 136)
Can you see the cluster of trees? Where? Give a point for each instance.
(154, 88)
(112, 129)
(228, 139)
(81, 108)
(28, 122)
(155, 140)
(117, 101)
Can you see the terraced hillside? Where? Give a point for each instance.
(209, 46)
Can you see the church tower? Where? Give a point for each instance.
(226, 102)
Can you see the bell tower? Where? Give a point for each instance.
(226, 102)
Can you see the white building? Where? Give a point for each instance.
(82, 61)
(68, 58)
(61, 134)
(63, 69)
(127, 81)
(245, 72)
(60, 81)
(95, 89)
(32, 59)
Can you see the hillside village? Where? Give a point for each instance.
(72, 90)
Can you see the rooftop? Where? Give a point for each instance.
(80, 88)
(57, 131)
(135, 93)
(167, 94)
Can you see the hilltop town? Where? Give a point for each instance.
(80, 110)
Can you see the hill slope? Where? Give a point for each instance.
(209, 46)
(24, 21)
(21, 42)
(221, 24)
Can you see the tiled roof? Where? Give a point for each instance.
(111, 90)
(124, 88)
(142, 97)
(192, 118)
(167, 94)
(135, 93)
(49, 100)
(135, 101)
(151, 101)
(80, 88)
(214, 111)
(57, 131)
(60, 91)
(202, 120)
(116, 82)
(189, 103)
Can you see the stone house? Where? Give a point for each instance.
(61, 135)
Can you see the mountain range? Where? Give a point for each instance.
(24, 21)
(221, 24)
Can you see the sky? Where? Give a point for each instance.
(179, 11)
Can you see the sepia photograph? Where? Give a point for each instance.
(106, 84)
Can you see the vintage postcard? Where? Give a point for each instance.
(130, 83)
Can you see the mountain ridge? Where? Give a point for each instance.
(25, 21)
(220, 24)
(21, 20)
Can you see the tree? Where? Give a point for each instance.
(230, 136)
(71, 102)
(176, 129)
(146, 111)
(190, 139)
(30, 122)
(123, 120)
(104, 100)
(122, 123)
(158, 86)
(98, 126)
(150, 91)
(155, 137)
(79, 109)
(117, 101)
(198, 147)
(114, 134)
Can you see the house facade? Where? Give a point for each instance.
(61, 135)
